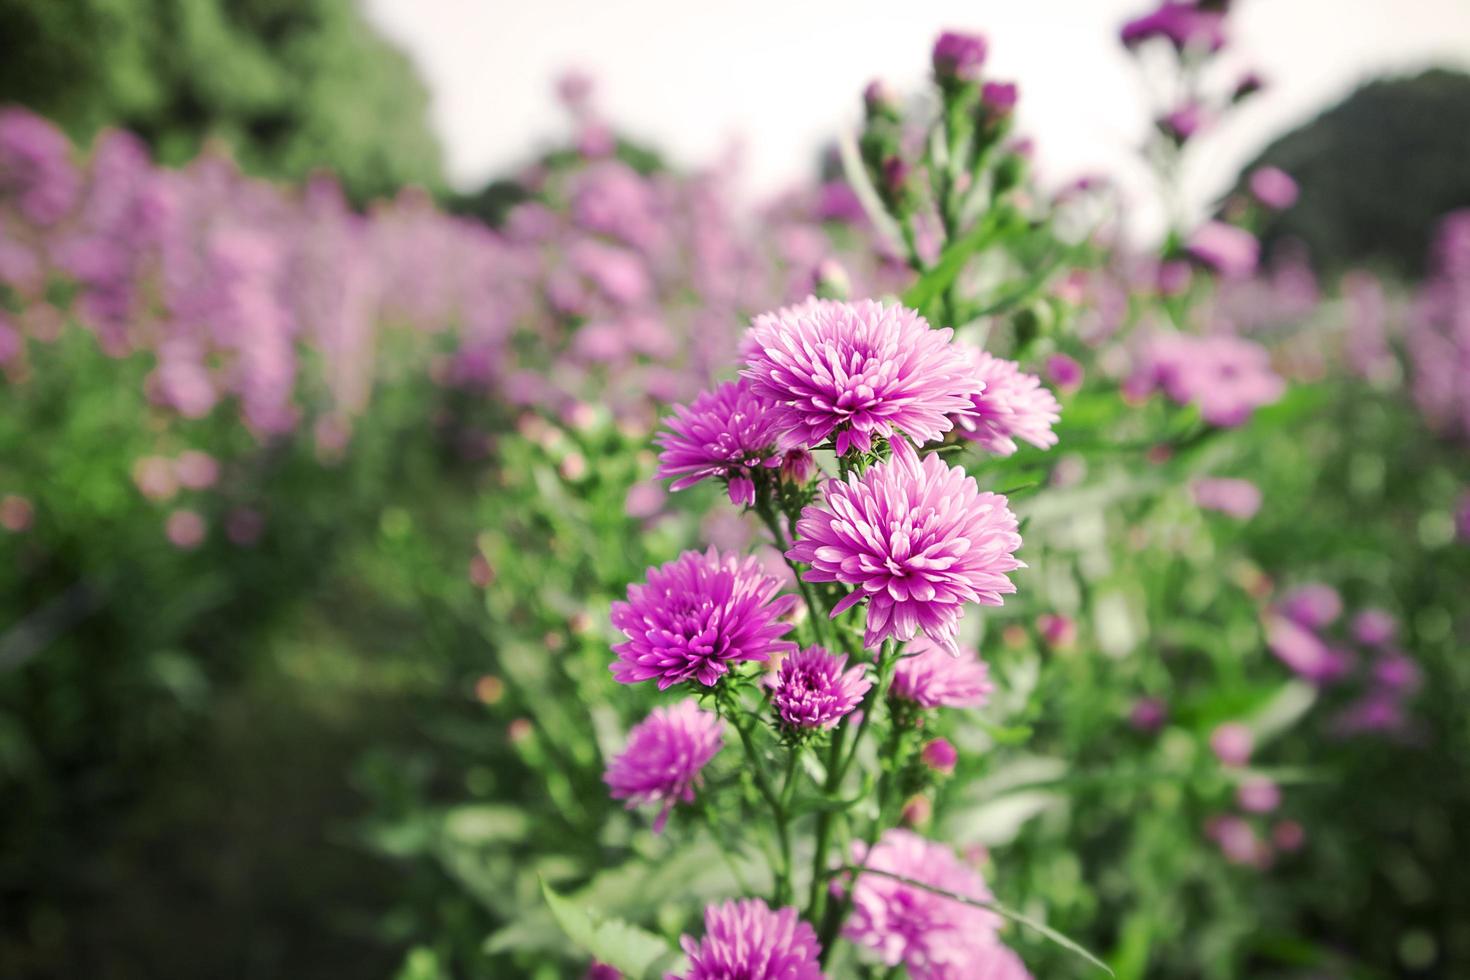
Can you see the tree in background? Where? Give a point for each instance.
(1376, 171)
(288, 85)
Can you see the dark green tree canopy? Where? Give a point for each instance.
(1377, 171)
(288, 85)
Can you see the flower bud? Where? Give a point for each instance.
(999, 99)
(916, 812)
(1258, 795)
(1232, 743)
(880, 101)
(940, 756)
(958, 57)
(797, 466)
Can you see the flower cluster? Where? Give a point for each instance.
(1227, 377)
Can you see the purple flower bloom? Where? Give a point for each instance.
(931, 677)
(727, 434)
(939, 754)
(1274, 188)
(1373, 627)
(1232, 252)
(930, 934)
(856, 370)
(959, 57)
(1303, 651)
(1258, 795)
(812, 690)
(1232, 743)
(1396, 672)
(1148, 714)
(1313, 605)
(1182, 24)
(746, 940)
(1227, 377)
(601, 971)
(695, 616)
(665, 754)
(999, 98)
(1185, 122)
(1064, 372)
(916, 539)
(1239, 499)
(1009, 404)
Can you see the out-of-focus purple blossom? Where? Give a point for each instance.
(746, 939)
(1274, 188)
(1009, 404)
(645, 499)
(1238, 841)
(1397, 672)
(1182, 24)
(814, 688)
(665, 756)
(1308, 656)
(1257, 794)
(196, 470)
(1183, 123)
(1148, 714)
(1227, 377)
(1230, 251)
(931, 677)
(1057, 631)
(601, 971)
(879, 98)
(1374, 627)
(959, 57)
(1232, 743)
(1173, 277)
(36, 167)
(940, 755)
(999, 98)
(1288, 836)
(185, 529)
(916, 539)
(1236, 498)
(852, 371)
(727, 434)
(1064, 372)
(1368, 351)
(1375, 713)
(16, 513)
(1313, 605)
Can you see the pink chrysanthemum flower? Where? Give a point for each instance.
(916, 539)
(727, 434)
(851, 371)
(746, 940)
(1011, 405)
(930, 677)
(812, 690)
(1227, 377)
(1314, 605)
(665, 754)
(930, 934)
(695, 616)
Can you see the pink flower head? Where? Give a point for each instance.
(745, 939)
(1303, 651)
(726, 434)
(1227, 377)
(1009, 405)
(665, 754)
(601, 971)
(196, 470)
(856, 370)
(1232, 743)
(1230, 251)
(927, 932)
(1396, 672)
(959, 57)
(1059, 632)
(812, 690)
(16, 513)
(916, 539)
(1064, 372)
(1374, 627)
(185, 529)
(1274, 188)
(1257, 794)
(1148, 714)
(930, 677)
(695, 616)
(939, 754)
(1239, 499)
(999, 98)
(1183, 25)
(1313, 605)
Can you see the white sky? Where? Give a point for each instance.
(780, 76)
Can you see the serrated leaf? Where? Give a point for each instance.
(634, 951)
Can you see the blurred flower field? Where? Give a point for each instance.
(909, 576)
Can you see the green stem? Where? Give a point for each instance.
(815, 612)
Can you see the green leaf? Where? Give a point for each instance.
(630, 949)
(1071, 945)
(952, 262)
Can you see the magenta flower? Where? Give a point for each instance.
(939, 754)
(1009, 405)
(1230, 251)
(811, 689)
(1185, 122)
(1227, 377)
(1303, 651)
(1313, 605)
(999, 98)
(1064, 372)
(1148, 714)
(1239, 499)
(930, 934)
(1257, 794)
(695, 616)
(931, 677)
(1274, 188)
(1374, 627)
(855, 370)
(665, 754)
(959, 57)
(726, 434)
(1182, 24)
(745, 939)
(916, 539)
(1232, 743)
